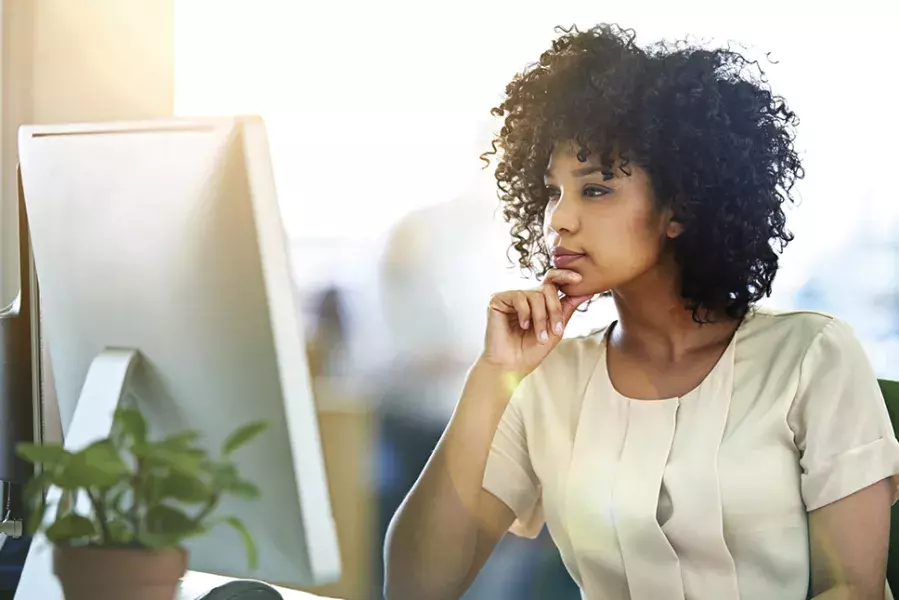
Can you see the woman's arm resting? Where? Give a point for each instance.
(849, 542)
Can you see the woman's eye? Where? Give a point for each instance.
(594, 191)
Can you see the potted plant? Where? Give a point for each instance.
(146, 498)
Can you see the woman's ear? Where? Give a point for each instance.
(675, 228)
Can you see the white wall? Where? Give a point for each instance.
(335, 76)
(76, 60)
(79, 60)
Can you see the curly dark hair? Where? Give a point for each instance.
(716, 144)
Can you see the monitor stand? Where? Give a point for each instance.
(104, 387)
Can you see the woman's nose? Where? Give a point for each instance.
(563, 215)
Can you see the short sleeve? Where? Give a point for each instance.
(839, 420)
(509, 474)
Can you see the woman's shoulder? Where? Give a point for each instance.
(796, 318)
(551, 396)
(779, 335)
(807, 324)
(568, 367)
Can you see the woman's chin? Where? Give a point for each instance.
(576, 290)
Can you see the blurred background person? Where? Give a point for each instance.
(439, 267)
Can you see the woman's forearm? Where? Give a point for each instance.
(847, 592)
(431, 539)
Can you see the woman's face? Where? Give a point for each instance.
(609, 231)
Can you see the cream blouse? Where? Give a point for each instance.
(703, 496)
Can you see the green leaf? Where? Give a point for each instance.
(162, 485)
(243, 436)
(185, 488)
(224, 475)
(249, 545)
(120, 532)
(187, 461)
(34, 490)
(36, 518)
(245, 490)
(151, 488)
(97, 466)
(130, 422)
(168, 523)
(179, 441)
(33, 496)
(47, 455)
(71, 528)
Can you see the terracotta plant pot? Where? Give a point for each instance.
(95, 573)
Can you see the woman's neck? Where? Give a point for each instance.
(655, 323)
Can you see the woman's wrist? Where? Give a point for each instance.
(502, 380)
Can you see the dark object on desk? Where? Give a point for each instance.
(243, 590)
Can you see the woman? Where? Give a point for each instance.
(698, 447)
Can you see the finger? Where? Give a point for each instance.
(569, 305)
(512, 304)
(559, 277)
(502, 303)
(538, 314)
(554, 309)
(523, 308)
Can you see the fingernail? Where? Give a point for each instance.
(543, 336)
(525, 324)
(558, 329)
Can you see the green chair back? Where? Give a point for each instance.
(890, 391)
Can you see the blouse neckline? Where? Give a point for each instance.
(723, 360)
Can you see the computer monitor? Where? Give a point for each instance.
(165, 278)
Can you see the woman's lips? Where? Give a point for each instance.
(562, 261)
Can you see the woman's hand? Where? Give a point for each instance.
(524, 326)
